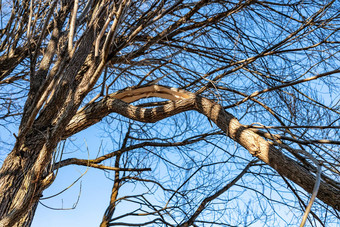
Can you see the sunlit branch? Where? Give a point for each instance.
(184, 101)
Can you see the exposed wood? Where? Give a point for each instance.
(185, 101)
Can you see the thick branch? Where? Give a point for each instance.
(183, 101)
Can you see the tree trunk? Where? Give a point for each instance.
(22, 180)
(25, 174)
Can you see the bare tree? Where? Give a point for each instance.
(272, 65)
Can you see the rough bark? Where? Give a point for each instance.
(61, 70)
(22, 181)
(25, 172)
(23, 175)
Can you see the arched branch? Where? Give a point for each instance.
(182, 101)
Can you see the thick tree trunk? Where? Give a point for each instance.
(22, 180)
(24, 174)
(13, 187)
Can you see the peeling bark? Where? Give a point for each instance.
(184, 101)
(40, 154)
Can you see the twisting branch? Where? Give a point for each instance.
(183, 101)
(271, 60)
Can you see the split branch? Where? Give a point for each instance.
(184, 101)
